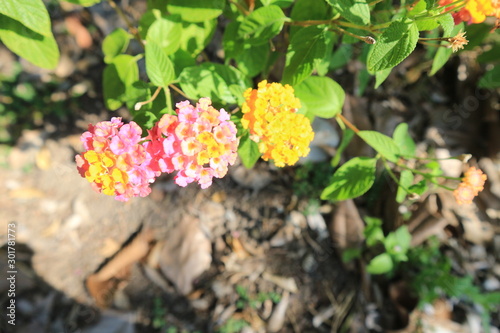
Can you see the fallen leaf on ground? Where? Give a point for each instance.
(102, 284)
(186, 254)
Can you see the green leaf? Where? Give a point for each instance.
(491, 79)
(490, 56)
(347, 136)
(393, 46)
(397, 243)
(304, 10)
(248, 151)
(405, 181)
(381, 264)
(382, 144)
(322, 66)
(420, 9)
(40, 50)
(351, 254)
(403, 140)
(352, 179)
(114, 44)
(196, 36)
(441, 57)
(181, 60)
(341, 57)
(85, 3)
(250, 62)
(214, 81)
(280, 3)
(232, 44)
(419, 188)
(320, 96)
(159, 68)
(118, 79)
(262, 25)
(447, 23)
(30, 13)
(355, 11)
(306, 47)
(373, 231)
(443, 53)
(166, 33)
(380, 76)
(196, 10)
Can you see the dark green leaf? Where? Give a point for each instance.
(196, 36)
(355, 11)
(262, 25)
(393, 46)
(248, 151)
(491, 79)
(306, 47)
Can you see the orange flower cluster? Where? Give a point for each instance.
(474, 11)
(471, 185)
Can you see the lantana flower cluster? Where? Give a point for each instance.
(115, 162)
(474, 11)
(270, 113)
(199, 143)
(471, 185)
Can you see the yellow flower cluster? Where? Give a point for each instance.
(270, 114)
(479, 9)
(105, 170)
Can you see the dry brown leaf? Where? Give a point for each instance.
(103, 284)
(346, 227)
(186, 254)
(109, 248)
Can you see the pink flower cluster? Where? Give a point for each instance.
(199, 143)
(115, 162)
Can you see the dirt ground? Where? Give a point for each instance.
(248, 254)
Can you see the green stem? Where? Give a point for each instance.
(239, 7)
(139, 105)
(347, 123)
(393, 176)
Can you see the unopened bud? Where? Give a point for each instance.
(369, 40)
